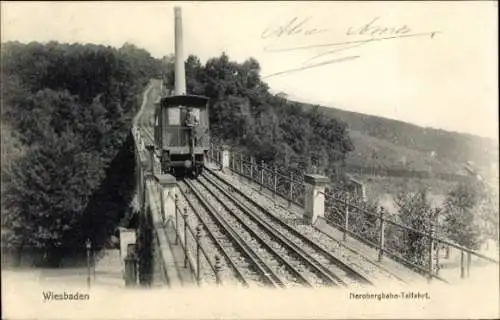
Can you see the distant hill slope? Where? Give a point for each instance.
(376, 152)
(382, 142)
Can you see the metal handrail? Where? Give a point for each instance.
(421, 232)
(246, 168)
(214, 267)
(203, 250)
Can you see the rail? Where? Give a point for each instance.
(388, 236)
(182, 239)
(368, 225)
(289, 230)
(287, 184)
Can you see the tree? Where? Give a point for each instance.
(48, 193)
(70, 108)
(414, 211)
(461, 222)
(12, 151)
(195, 77)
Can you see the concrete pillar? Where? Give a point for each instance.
(225, 157)
(314, 197)
(127, 237)
(168, 185)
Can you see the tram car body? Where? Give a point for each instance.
(182, 143)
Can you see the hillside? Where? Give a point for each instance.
(395, 144)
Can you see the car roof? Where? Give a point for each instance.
(189, 100)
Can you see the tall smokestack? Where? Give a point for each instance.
(180, 73)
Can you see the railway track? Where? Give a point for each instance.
(145, 114)
(290, 260)
(354, 267)
(315, 257)
(257, 247)
(239, 261)
(146, 129)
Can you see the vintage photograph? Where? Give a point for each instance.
(249, 160)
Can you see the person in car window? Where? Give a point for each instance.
(191, 119)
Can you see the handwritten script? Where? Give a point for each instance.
(356, 36)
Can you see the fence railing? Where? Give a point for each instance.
(352, 215)
(405, 172)
(195, 254)
(416, 248)
(285, 183)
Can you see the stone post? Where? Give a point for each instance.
(130, 270)
(168, 191)
(314, 197)
(225, 158)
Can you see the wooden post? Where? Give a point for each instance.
(469, 257)
(88, 245)
(275, 184)
(437, 258)
(176, 219)
(198, 249)
(261, 174)
(185, 238)
(462, 264)
(430, 234)
(251, 168)
(436, 226)
(381, 235)
(212, 151)
(217, 268)
(275, 172)
(241, 164)
(346, 220)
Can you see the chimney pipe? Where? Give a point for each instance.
(180, 73)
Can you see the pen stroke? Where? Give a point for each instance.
(361, 41)
(293, 27)
(369, 32)
(311, 66)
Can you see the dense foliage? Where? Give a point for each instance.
(244, 113)
(70, 108)
(416, 212)
(470, 217)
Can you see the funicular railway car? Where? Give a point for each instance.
(182, 134)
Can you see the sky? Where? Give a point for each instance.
(429, 63)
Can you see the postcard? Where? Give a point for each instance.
(249, 160)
